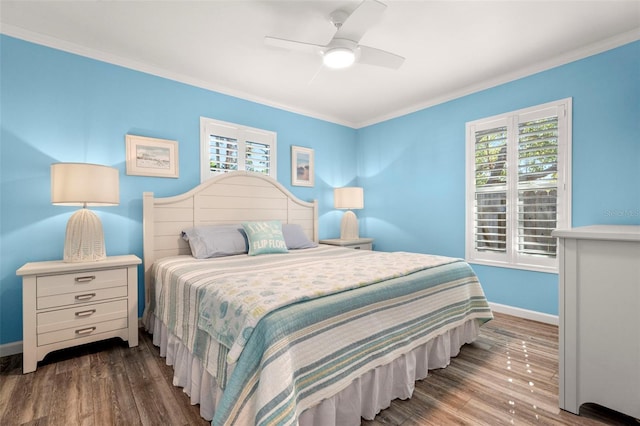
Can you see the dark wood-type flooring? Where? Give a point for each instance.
(507, 377)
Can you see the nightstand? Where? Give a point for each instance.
(70, 304)
(358, 244)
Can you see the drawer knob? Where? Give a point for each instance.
(85, 279)
(85, 313)
(85, 296)
(86, 330)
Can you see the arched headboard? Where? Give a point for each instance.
(228, 198)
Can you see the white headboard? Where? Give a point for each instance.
(228, 198)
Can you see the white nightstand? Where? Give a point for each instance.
(69, 304)
(358, 244)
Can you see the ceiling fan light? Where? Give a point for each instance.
(339, 57)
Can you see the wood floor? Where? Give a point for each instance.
(508, 376)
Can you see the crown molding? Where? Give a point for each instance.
(568, 57)
(69, 47)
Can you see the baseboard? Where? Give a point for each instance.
(12, 348)
(525, 313)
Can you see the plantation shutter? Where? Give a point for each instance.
(518, 186)
(491, 189)
(257, 152)
(537, 186)
(223, 154)
(227, 147)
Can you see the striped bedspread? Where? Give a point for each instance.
(286, 365)
(232, 303)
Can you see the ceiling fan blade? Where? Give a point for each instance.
(381, 58)
(298, 46)
(366, 15)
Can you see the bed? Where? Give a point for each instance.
(283, 335)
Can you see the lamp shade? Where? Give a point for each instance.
(349, 197)
(82, 184)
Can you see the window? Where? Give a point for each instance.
(227, 146)
(518, 186)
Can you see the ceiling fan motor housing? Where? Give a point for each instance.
(338, 17)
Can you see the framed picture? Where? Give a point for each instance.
(152, 157)
(301, 166)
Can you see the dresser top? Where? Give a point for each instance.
(601, 232)
(58, 266)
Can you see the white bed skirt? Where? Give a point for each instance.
(365, 397)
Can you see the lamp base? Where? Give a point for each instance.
(349, 226)
(84, 241)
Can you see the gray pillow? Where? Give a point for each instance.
(216, 240)
(295, 238)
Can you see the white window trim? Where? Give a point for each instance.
(210, 126)
(511, 259)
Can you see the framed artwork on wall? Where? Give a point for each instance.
(301, 166)
(152, 157)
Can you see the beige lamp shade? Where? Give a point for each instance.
(349, 197)
(81, 184)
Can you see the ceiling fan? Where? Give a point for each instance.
(344, 49)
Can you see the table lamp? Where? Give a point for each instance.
(82, 184)
(349, 197)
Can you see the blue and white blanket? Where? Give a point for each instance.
(274, 314)
(231, 309)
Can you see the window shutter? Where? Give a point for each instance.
(226, 147)
(518, 186)
(537, 186)
(258, 157)
(223, 154)
(491, 190)
(258, 152)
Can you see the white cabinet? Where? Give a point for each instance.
(600, 317)
(69, 304)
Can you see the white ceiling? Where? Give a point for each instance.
(451, 48)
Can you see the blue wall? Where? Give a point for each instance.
(57, 106)
(62, 107)
(413, 167)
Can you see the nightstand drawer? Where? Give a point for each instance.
(361, 246)
(356, 244)
(81, 297)
(80, 332)
(81, 316)
(49, 285)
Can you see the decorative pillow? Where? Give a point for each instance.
(215, 240)
(265, 237)
(295, 237)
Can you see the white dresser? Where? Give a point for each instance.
(69, 304)
(600, 317)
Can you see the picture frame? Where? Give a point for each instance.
(152, 157)
(302, 171)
